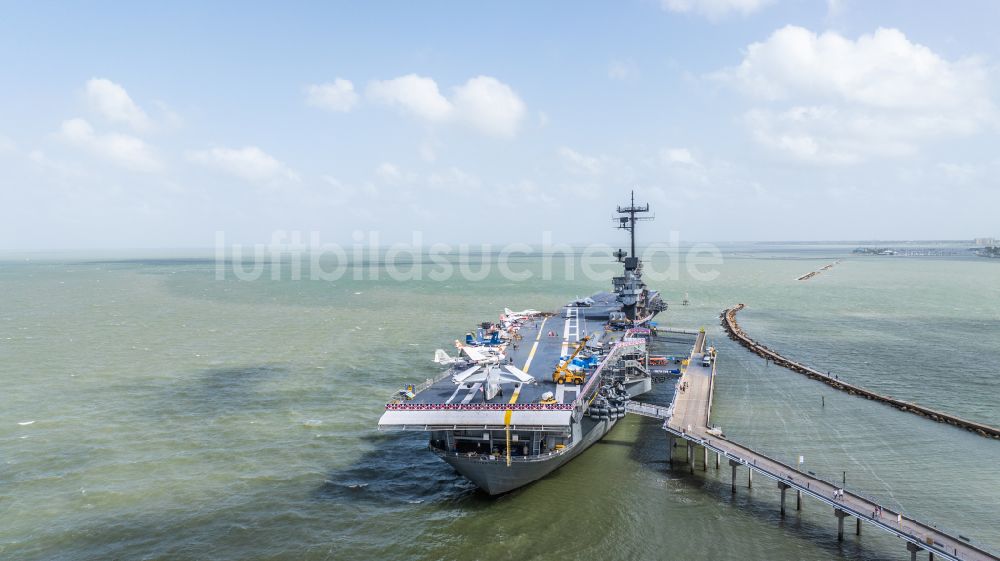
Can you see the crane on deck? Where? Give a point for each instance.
(563, 374)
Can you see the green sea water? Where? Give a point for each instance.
(151, 411)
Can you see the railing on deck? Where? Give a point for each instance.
(612, 357)
(397, 398)
(410, 406)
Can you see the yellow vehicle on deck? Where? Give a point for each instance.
(563, 374)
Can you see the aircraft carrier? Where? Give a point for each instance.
(528, 393)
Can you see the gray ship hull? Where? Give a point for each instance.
(495, 477)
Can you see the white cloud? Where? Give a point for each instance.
(413, 94)
(845, 99)
(523, 192)
(714, 9)
(831, 135)
(337, 192)
(483, 103)
(454, 180)
(489, 105)
(579, 163)
(249, 163)
(388, 173)
(122, 149)
(680, 156)
(338, 95)
(883, 69)
(623, 69)
(60, 169)
(112, 102)
(684, 171)
(408, 185)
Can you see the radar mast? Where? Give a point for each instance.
(627, 218)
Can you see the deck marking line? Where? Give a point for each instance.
(472, 393)
(517, 392)
(457, 389)
(538, 337)
(531, 355)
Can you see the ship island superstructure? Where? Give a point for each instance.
(527, 393)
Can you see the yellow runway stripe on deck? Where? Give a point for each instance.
(538, 337)
(517, 392)
(531, 355)
(506, 417)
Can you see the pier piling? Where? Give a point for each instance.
(840, 523)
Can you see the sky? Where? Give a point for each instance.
(141, 125)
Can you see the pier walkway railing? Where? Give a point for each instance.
(687, 418)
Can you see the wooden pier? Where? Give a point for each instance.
(689, 418)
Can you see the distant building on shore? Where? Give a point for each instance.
(987, 242)
(874, 251)
(990, 251)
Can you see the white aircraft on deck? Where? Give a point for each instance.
(511, 315)
(442, 358)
